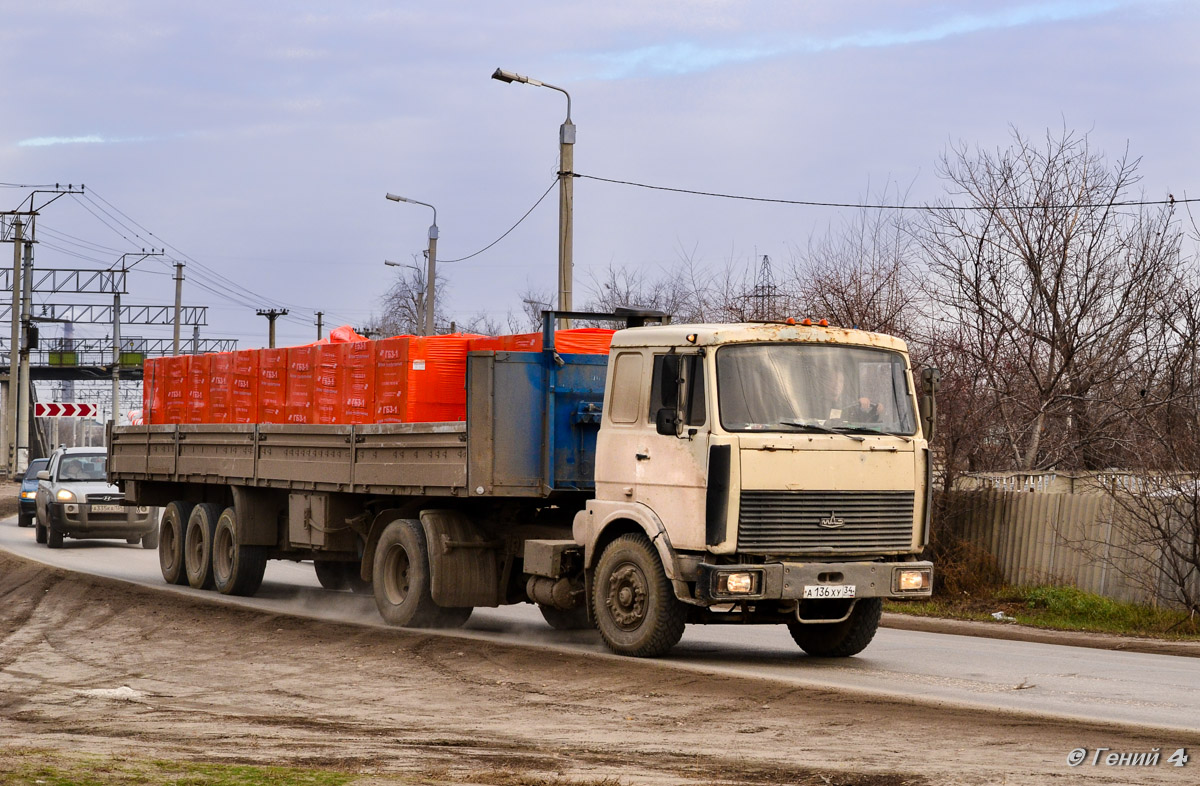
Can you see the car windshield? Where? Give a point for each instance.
(35, 466)
(813, 388)
(85, 467)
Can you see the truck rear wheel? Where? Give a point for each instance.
(170, 542)
(237, 569)
(840, 639)
(401, 580)
(197, 544)
(633, 603)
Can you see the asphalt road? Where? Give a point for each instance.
(1123, 688)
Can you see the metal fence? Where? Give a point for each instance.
(1059, 528)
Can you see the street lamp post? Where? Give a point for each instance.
(430, 273)
(566, 192)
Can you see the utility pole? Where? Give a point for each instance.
(178, 304)
(319, 315)
(10, 413)
(24, 406)
(272, 314)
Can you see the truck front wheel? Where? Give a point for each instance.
(170, 542)
(197, 544)
(633, 603)
(237, 569)
(840, 639)
(401, 580)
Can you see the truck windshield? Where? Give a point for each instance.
(817, 388)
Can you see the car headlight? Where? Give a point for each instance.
(28, 494)
(65, 495)
(913, 580)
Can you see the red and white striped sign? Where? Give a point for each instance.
(66, 410)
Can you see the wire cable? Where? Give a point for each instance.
(1171, 200)
(510, 229)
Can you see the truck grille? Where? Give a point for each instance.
(796, 522)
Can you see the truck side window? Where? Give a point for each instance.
(693, 372)
(623, 399)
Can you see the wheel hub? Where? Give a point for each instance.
(627, 596)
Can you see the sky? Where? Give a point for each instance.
(255, 141)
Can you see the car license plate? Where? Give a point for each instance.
(108, 508)
(829, 591)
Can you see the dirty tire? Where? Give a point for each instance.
(237, 569)
(197, 544)
(331, 574)
(24, 519)
(39, 532)
(840, 639)
(566, 619)
(401, 580)
(133, 540)
(150, 540)
(54, 537)
(633, 603)
(170, 542)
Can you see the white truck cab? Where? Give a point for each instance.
(771, 472)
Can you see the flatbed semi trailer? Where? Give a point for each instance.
(750, 474)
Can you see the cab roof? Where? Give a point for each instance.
(749, 332)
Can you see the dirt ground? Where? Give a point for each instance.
(91, 665)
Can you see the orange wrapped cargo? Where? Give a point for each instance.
(272, 385)
(199, 371)
(175, 386)
(358, 381)
(244, 386)
(437, 378)
(327, 404)
(583, 341)
(300, 372)
(154, 394)
(220, 388)
(391, 379)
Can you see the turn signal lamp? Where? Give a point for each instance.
(824, 323)
(791, 320)
(806, 322)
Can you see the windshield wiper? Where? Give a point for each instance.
(857, 430)
(800, 424)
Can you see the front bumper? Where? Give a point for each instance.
(788, 580)
(77, 520)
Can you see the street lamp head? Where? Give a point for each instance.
(506, 76)
(395, 198)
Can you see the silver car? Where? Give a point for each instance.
(74, 499)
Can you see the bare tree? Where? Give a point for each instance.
(1056, 289)
(403, 305)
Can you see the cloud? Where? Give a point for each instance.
(688, 57)
(91, 139)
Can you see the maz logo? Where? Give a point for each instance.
(833, 522)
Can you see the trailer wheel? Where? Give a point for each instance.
(401, 580)
(170, 541)
(633, 604)
(840, 639)
(236, 569)
(197, 544)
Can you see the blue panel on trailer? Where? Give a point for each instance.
(579, 394)
(536, 390)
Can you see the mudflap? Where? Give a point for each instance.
(463, 562)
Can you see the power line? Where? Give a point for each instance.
(1171, 200)
(510, 229)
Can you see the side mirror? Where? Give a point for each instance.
(931, 378)
(666, 422)
(43, 475)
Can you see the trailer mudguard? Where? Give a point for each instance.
(463, 562)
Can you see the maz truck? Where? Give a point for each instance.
(746, 474)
